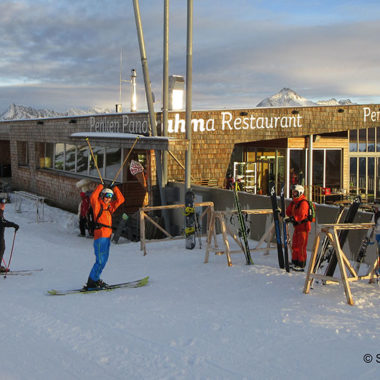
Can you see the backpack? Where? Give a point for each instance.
(311, 213)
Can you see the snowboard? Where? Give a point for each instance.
(343, 235)
(120, 228)
(284, 228)
(130, 284)
(362, 252)
(189, 220)
(243, 233)
(276, 220)
(326, 245)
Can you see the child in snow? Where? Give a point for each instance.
(4, 223)
(103, 207)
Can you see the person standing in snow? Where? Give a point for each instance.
(297, 213)
(84, 206)
(3, 224)
(103, 207)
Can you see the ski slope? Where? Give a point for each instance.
(192, 321)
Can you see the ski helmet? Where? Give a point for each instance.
(107, 193)
(299, 189)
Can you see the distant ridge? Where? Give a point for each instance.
(288, 98)
(19, 112)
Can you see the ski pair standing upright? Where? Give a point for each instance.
(243, 231)
(280, 231)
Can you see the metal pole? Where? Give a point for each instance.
(165, 91)
(133, 91)
(310, 169)
(144, 62)
(149, 97)
(189, 71)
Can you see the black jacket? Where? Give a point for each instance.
(5, 223)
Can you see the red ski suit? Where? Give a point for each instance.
(299, 211)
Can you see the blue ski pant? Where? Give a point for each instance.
(101, 250)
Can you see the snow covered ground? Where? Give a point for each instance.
(192, 321)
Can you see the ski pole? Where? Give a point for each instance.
(93, 157)
(125, 160)
(10, 257)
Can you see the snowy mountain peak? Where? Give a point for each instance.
(289, 98)
(286, 97)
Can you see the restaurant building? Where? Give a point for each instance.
(332, 150)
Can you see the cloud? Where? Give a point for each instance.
(68, 53)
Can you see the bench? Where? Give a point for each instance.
(38, 201)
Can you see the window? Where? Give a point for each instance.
(362, 140)
(99, 160)
(333, 169)
(70, 157)
(327, 168)
(77, 158)
(59, 156)
(371, 139)
(353, 141)
(22, 153)
(353, 174)
(113, 162)
(297, 167)
(318, 167)
(82, 159)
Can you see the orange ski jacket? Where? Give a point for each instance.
(103, 213)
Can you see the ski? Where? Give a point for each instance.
(243, 233)
(276, 221)
(130, 284)
(351, 213)
(284, 229)
(22, 272)
(189, 220)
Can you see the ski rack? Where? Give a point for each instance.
(331, 233)
(38, 202)
(144, 216)
(221, 216)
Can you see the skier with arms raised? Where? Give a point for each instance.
(103, 207)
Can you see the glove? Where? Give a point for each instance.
(291, 219)
(16, 226)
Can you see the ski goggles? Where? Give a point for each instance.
(108, 195)
(3, 201)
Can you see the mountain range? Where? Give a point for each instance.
(289, 98)
(284, 98)
(18, 112)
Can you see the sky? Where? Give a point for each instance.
(62, 54)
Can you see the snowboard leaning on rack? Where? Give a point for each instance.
(284, 229)
(243, 232)
(120, 228)
(276, 219)
(362, 252)
(326, 246)
(351, 213)
(189, 220)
